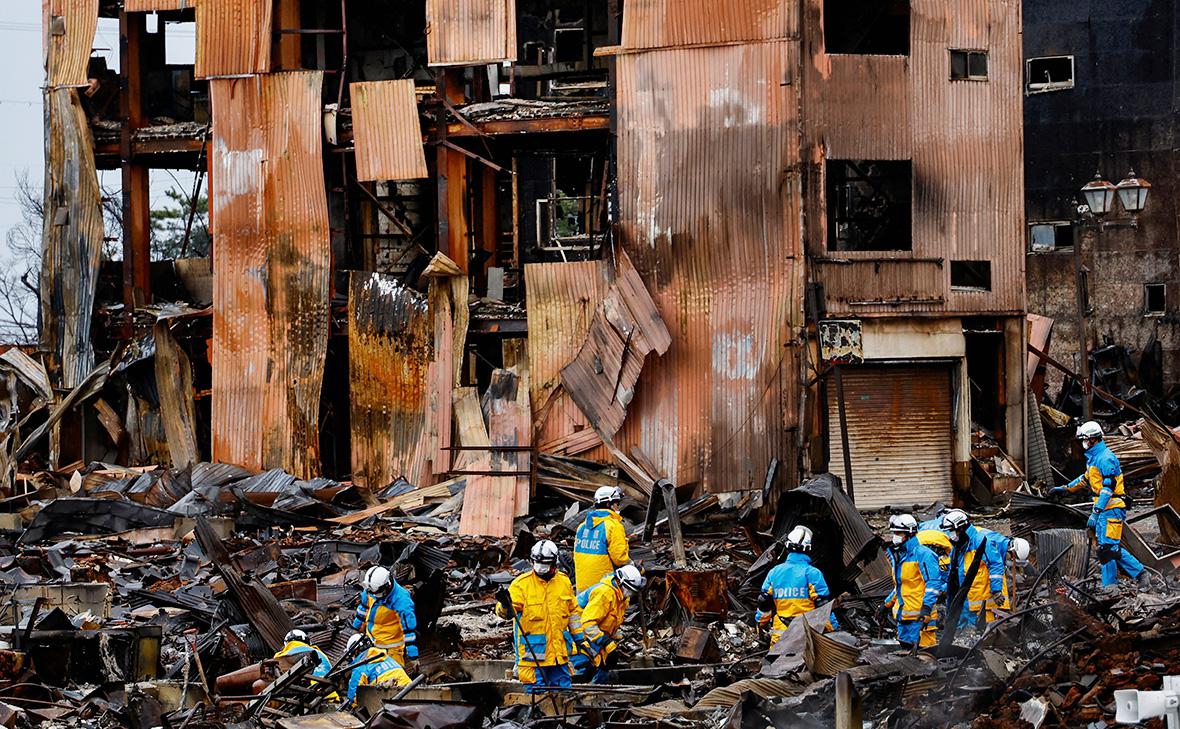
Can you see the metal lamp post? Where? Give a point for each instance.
(1100, 195)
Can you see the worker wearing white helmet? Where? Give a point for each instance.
(386, 615)
(373, 666)
(792, 587)
(296, 642)
(602, 607)
(1009, 551)
(917, 580)
(1104, 476)
(541, 605)
(987, 584)
(600, 544)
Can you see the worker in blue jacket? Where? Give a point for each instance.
(971, 545)
(792, 588)
(1104, 476)
(386, 615)
(917, 580)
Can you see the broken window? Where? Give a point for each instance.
(868, 205)
(971, 275)
(1154, 298)
(1052, 73)
(968, 65)
(563, 205)
(1050, 236)
(867, 27)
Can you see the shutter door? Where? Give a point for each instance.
(899, 433)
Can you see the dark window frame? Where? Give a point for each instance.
(1148, 308)
(1043, 87)
(974, 276)
(1059, 227)
(970, 71)
(867, 27)
(869, 205)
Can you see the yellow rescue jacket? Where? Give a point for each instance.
(602, 608)
(600, 546)
(549, 619)
(1103, 472)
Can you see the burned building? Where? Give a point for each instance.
(723, 245)
(1103, 101)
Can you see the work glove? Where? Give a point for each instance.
(924, 614)
(505, 599)
(1058, 491)
(765, 602)
(1092, 522)
(1000, 599)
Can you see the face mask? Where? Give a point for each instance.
(953, 536)
(544, 571)
(897, 539)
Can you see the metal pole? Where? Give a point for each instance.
(843, 413)
(1083, 348)
(848, 707)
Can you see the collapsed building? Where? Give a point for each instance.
(693, 246)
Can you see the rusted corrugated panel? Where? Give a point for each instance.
(562, 301)
(174, 384)
(69, 27)
(843, 123)
(492, 501)
(233, 37)
(133, 6)
(72, 238)
(466, 32)
(271, 266)
(855, 285)
(387, 131)
(665, 23)
(447, 293)
(900, 434)
(709, 195)
(390, 348)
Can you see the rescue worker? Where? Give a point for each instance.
(936, 541)
(603, 606)
(380, 667)
(600, 544)
(545, 619)
(792, 587)
(386, 615)
(970, 544)
(1004, 549)
(295, 642)
(917, 582)
(1104, 476)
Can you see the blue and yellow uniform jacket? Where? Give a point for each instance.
(549, 622)
(795, 586)
(390, 622)
(602, 608)
(1104, 476)
(989, 577)
(381, 668)
(917, 580)
(600, 546)
(295, 647)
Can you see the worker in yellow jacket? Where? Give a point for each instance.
(938, 542)
(600, 544)
(545, 619)
(379, 667)
(793, 588)
(603, 606)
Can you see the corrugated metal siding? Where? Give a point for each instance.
(387, 131)
(233, 37)
(664, 23)
(271, 265)
(562, 299)
(72, 237)
(709, 195)
(390, 348)
(69, 27)
(899, 434)
(905, 286)
(133, 6)
(467, 32)
(965, 140)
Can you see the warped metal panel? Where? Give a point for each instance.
(858, 286)
(709, 196)
(390, 348)
(387, 131)
(562, 301)
(69, 27)
(133, 6)
(850, 128)
(467, 32)
(271, 270)
(233, 37)
(174, 385)
(664, 23)
(72, 238)
(900, 434)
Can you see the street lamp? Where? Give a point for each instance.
(1099, 195)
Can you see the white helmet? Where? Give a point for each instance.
(903, 524)
(377, 581)
(799, 540)
(607, 494)
(1020, 548)
(295, 634)
(352, 641)
(955, 520)
(544, 558)
(1089, 429)
(630, 579)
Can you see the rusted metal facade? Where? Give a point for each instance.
(709, 199)
(271, 269)
(69, 35)
(72, 238)
(390, 348)
(466, 32)
(387, 131)
(133, 6)
(649, 24)
(233, 37)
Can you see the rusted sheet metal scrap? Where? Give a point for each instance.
(491, 500)
(387, 131)
(468, 32)
(70, 26)
(233, 38)
(447, 295)
(174, 383)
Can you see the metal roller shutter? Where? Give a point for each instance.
(900, 433)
